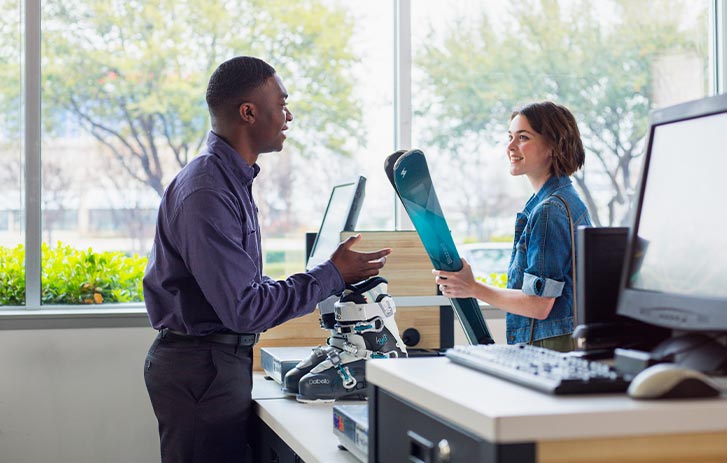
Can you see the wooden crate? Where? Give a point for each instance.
(409, 273)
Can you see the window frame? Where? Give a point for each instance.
(34, 315)
(718, 18)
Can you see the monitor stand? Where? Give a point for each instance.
(697, 351)
(598, 340)
(693, 350)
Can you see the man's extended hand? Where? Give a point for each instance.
(356, 266)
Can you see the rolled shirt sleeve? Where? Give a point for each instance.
(544, 287)
(548, 257)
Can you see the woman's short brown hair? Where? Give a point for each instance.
(557, 124)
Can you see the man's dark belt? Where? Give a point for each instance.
(232, 339)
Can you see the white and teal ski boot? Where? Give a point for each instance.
(318, 353)
(365, 328)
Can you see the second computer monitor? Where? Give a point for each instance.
(599, 263)
(341, 214)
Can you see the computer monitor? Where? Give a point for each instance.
(676, 252)
(599, 261)
(677, 248)
(341, 214)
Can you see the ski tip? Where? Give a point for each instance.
(389, 163)
(391, 160)
(411, 154)
(395, 154)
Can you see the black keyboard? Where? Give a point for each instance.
(537, 368)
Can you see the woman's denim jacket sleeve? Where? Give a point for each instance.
(541, 260)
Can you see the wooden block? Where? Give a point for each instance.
(408, 268)
(301, 331)
(409, 273)
(423, 319)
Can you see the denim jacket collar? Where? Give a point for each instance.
(551, 185)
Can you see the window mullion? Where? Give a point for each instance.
(32, 173)
(402, 92)
(720, 45)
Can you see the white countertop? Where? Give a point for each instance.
(306, 428)
(504, 412)
(263, 388)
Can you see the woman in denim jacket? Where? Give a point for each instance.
(545, 146)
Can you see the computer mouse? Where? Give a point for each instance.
(670, 381)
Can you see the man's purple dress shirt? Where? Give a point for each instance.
(205, 269)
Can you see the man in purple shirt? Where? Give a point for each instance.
(204, 288)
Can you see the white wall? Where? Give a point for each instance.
(76, 396)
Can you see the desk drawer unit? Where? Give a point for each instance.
(269, 447)
(403, 432)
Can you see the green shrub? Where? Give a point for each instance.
(72, 276)
(12, 275)
(499, 280)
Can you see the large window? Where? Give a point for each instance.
(122, 111)
(610, 62)
(341, 96)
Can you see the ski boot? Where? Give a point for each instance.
(318, 354)
(366, 326)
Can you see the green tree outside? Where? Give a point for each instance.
(10, 46)
(133, 74)
(604, 71)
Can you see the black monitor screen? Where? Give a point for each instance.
(677, 254)
(341, 214)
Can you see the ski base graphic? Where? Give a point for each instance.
(409, 175)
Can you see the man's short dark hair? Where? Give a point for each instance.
(556, 123)
(233, 80)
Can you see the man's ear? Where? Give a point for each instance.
(246, 112)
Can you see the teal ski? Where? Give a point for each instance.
(409, 175)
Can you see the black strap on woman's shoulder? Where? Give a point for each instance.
(573, 255)
(573, 266)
